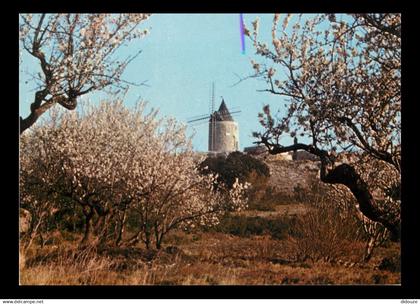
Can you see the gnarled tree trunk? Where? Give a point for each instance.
(346, 175)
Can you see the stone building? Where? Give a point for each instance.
(223, 131)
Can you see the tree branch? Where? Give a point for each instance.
(36, 110)
(346, 175)
(381, 155)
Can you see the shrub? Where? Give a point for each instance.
(236, 165)
(328, 231)
(247, 226)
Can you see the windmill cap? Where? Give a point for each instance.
(223, 113)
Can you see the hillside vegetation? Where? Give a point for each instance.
(286, 236)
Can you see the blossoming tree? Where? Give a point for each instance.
(340, 79)
(114, 162)
(76, 55)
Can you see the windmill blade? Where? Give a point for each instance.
(234, 112)
(198, 116)
(198, 119)
(202, 116)
(208, 117)
(230, 113)
(199, 124)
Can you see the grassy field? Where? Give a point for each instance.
(247, 248)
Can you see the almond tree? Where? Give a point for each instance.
(76, 53)
(113, 161)
(176, 195)
(36, 179)
(77, 159)
(339, 78)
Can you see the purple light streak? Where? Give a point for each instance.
(241, 25)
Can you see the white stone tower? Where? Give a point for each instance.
(223, 131)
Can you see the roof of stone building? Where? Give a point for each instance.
(223, 113)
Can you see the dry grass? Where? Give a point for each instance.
(279, 211)
(191, 259)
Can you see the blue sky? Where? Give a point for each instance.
(181, 57)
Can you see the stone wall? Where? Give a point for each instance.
(286, 175)
(304, 155)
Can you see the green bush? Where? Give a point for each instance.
(261, 195)
(235, 165)
(247, 226)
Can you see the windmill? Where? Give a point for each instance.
(223, 130)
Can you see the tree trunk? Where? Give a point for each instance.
(27, 122)
(135, 239)
(158, 236)
(158, 245)
(121, 228)
(88, 218)
(147, 236)
(103, 231)
(34, 231)
(370, 245)
(346, 175)
(36, 110)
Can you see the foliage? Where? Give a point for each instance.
(260, 194)
(76, 53)
(245, 168)
(374, 234)
(111, 161)
(327, 231)
(277, 228)
(236, 165)
(340, 79)
(333, 224)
